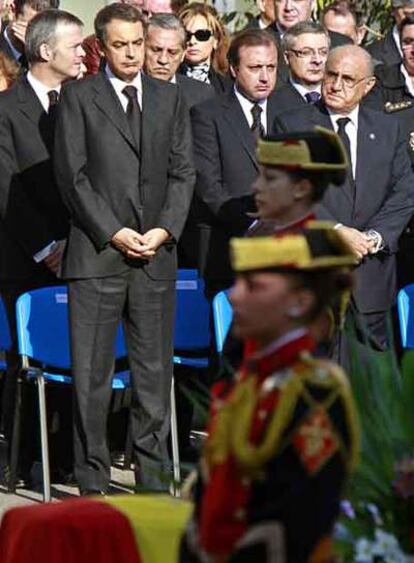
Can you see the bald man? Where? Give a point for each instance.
(376, 202)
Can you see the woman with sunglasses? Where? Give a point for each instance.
(207, 44)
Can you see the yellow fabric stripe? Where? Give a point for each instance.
(158, 522)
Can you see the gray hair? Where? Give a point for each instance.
(168, 21)
(42, 29)
(300, 29)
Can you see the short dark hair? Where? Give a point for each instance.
(38, 5)
(301, 28)
(123, 12)
(408, 20)
(169, 22)
(42, 29)
(248, 38)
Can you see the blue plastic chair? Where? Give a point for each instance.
(43, 338)
(192, 339)
(222, 316)
(405, 303)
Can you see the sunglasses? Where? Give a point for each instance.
(200, 34)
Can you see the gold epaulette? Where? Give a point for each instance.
(392, 107)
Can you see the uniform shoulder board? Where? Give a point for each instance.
(392, 107)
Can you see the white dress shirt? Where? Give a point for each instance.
(247, 105)
(119, 85)
(396, 37)
(303, 90)
(351, 130)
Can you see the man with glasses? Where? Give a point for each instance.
(305, 47)
(377, 200)
(289, 13)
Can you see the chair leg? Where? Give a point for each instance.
(44, 438)
(174, 440)
(128, 447)
(15, 439)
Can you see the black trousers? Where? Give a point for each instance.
(146, 307)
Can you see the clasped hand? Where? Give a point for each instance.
(359, 242)
(137, 245)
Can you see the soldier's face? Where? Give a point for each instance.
(123, 48)
(255, 74)
(407, 44)
(278, 197)
(262, 304)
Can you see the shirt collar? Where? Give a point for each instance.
(174, 79)
(248, 104)
(303, 90)
(119, 84)
(397, 40)
(40, 88)
(352, 115)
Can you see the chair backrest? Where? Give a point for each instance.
(5, 337)
(405, 303)
(222, 317)
(192, 318)
(43, 327)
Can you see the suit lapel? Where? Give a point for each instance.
(108, 102)
(237, 121)
(366, 144)
(29, 103)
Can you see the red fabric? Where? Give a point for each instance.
(72, 531)
(92, 58)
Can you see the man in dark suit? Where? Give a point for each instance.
(12, 38)
(123, 162)
(388, 50)
(371, 220)
(287, 14)
(225, 132)
(306, 48)
(165, 44)
(33, 219)
(342, 17)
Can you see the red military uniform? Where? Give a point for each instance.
(280, 444)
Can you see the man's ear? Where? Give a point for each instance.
(100, 47)
(233, 71)
(46, 52)
(369, 84)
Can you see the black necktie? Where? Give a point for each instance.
(312, 97)
(341, 123)
(133, 113)
(53, 96)
(257, 127)
(49, 119)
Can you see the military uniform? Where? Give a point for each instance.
(282, 439)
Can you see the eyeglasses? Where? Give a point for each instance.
(201, 35)
(308, 53)
(347, 82)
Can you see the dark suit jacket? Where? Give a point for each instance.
(390, 87)
(384, 198)
(193, 91)
(108, 183)
(225, 158)
(32, 213)
(287, 97)
(385, 51)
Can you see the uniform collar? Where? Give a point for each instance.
(281, 353)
